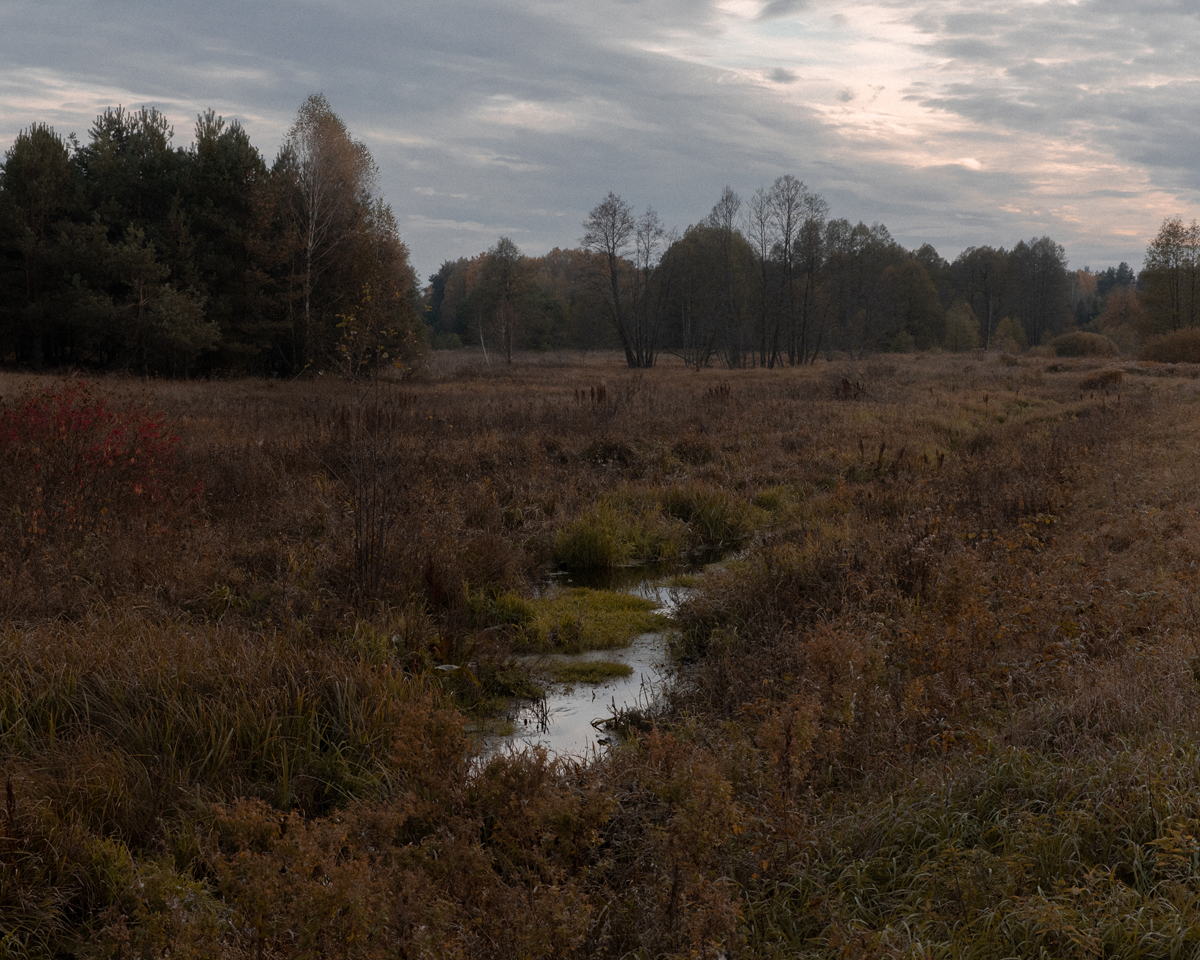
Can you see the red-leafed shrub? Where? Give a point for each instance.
(74, 468)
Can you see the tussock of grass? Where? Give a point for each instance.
(589, 671)
(657, 524)
(622, 529)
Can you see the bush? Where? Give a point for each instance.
(1077, 343)
(1180, 346)
(75, 469)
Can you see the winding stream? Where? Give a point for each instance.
(568, 722)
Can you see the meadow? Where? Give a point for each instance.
(939, 699)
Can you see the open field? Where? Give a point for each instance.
(943, 702)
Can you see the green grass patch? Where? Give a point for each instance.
(575, 620)
(589, 671)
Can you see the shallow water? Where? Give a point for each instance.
(569, 721)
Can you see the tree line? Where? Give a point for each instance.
(124, 251)
(775, 280)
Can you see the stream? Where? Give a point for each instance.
(568, 722)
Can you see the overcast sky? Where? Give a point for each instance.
(953, 122)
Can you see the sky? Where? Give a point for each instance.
(952, 122)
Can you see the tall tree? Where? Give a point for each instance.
(758, 227)
(787, 213)
(38, 191)
(333, 178)
(723, 220)
(810, 260)
(613, 233)
(980, 277)
(506, 283)
(1041, 288)
(1171, 275)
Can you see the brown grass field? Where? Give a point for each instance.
(942, 698)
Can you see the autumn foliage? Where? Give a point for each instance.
(77, 468)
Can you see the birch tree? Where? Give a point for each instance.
(334, 178)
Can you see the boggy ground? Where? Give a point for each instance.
(943, 703)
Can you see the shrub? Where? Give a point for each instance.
(1180, 346)
(1009, 336)
(962, 328)
(75, 469)
(1078, 343)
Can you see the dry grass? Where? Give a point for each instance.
(944, 696)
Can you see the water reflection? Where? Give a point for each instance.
(569, 721)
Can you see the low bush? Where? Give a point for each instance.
(1101, 380)
(1078, 343)
(1180, 346)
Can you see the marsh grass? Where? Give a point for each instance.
(940, 703)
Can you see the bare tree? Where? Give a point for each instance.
(758, 223)
(810, 258)
(608, 232)
(787, 198)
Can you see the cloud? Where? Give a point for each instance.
(774, 9)
(949, 121)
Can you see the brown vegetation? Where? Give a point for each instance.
(1181, 346)
(944, 694)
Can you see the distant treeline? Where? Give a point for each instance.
(124, 251)
(774, 280)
